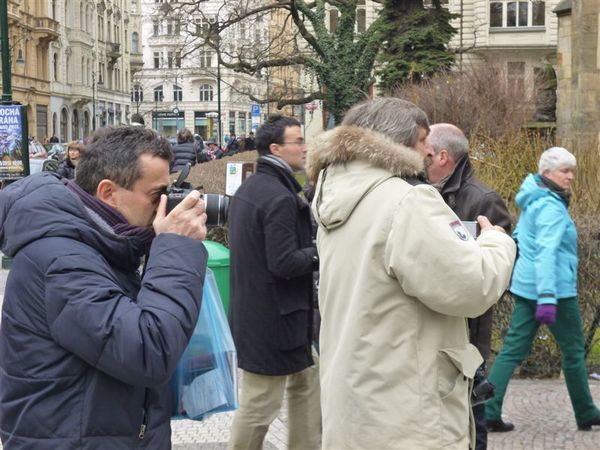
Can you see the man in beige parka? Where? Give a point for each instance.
(399, 275)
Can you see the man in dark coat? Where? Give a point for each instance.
(185, 150)
(272, 260)
(87, 344)
(451, 172)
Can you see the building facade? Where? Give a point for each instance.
(519, 36)
(179, 84)
(32, 31)
(91, 65)
(578, 111)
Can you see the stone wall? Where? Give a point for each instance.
(578, 61)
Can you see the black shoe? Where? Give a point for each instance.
(499, 426)
(587, 426)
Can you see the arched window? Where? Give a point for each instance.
(135, 42)
(86, 123)
(55, 67)
(177, 93)
(54, 125)
(64, 122)
(206, 93)
(137, 93)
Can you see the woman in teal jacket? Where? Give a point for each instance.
(544, 286)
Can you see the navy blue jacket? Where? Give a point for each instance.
(184, 153)
(86, 344)
(272, 260)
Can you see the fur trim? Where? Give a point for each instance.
(348, 143)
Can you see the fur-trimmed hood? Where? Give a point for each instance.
(356, 160)
(350, 143)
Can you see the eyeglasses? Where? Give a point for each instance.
(294, 143)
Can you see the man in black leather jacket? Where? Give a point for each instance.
(450, 171)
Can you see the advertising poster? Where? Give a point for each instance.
(11, 142)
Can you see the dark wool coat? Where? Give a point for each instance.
(66, 169)
(272, 259)
(184, 153)
(469, 198)
(86, 345)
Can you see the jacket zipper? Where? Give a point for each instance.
(144, 423)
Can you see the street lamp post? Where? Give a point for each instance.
(176, 111)
(94, 84)
(219, 98)
(5, 47)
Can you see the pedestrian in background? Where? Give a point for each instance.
(87, 344)
(271, 309)
(399, 274)
(66, 167)
(544, 286)
(185, 150)
(449, 170)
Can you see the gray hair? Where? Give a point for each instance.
(556, 158)
(113, 154)
(450, 137)
(397, 119)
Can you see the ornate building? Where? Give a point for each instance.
(32, 30)
(91, 64)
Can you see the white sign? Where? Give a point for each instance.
(237, 172)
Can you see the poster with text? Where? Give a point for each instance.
(11, 142)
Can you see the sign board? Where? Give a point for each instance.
(237, 172)
(168, 114)
(14, 149)
(255, 110)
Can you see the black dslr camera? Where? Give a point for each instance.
(217, 206)
(483, 389)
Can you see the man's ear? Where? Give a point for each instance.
(107, 192)
(445, 157)
(275, 149)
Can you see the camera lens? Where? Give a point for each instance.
(217, 207)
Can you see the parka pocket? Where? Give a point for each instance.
(456, 369)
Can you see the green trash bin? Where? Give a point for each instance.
(218, 262)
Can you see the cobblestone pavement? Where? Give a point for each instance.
(540, 410)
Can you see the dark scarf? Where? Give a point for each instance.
(564, 194)
(114, 219)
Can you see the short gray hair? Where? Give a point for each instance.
(450, 137)
(556, 158)
(397, 119)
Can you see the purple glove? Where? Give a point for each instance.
(546, 314)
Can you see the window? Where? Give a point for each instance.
(55, 66)
(135, 42)
(156, 60)
(169, 27)
(155, 28)
(177, 93)
(206, 93)
(170, 58)
(205, 58)
(178, 59)
(203, 25)
(333, 20)
(241, 122)
(361, 20)
(514, 14)
(158, 94)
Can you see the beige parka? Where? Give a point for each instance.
(399, 275)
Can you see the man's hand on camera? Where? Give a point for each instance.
(186, 219)
(486, 225)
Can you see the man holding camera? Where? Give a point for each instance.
(399, 274)
(87, 344)
(450, 171)
(271, 311)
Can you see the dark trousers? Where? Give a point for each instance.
(480, 429)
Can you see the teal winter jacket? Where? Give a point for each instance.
(546, 266)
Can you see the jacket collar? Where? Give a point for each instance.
(264, 165)
(462, 172)
(350, 143)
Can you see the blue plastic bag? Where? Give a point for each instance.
(205, 380)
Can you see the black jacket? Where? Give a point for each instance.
(87, 346)
(469, 198)
(272, 259)
(184, 153)
(66, 169)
